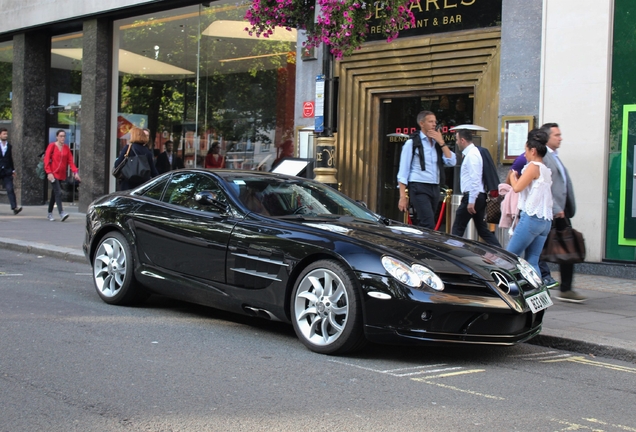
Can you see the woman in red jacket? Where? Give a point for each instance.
(57, 159)
(213, 159)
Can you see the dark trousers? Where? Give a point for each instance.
(424, 198)
(567, 270)
(56, 197)
(7, 181)
(463, 217)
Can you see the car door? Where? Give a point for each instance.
(179, 235)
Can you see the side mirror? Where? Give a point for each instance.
(211, 199)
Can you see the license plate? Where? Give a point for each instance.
(539, 301)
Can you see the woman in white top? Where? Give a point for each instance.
(535, 201)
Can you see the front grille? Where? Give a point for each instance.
(466, 284)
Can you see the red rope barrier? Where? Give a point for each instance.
(441, 215)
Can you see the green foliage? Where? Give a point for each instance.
(6, 81)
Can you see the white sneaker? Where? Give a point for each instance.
(64, 216)
(50, 217)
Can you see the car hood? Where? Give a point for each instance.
(442, 253)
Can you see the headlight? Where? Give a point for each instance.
(428, 277)
(401, 271)
(529, 273)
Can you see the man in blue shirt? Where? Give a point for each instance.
(473, 205)
(422, 165)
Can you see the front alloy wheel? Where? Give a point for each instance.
(113, 271)
(326, 309)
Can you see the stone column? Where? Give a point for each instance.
(31, 66)
(96, 91)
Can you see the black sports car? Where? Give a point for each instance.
(290, 249)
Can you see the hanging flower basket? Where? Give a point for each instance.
(341, 24)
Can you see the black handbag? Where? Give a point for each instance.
(566, 246)
(493, 209)
(137, 169)
(117, 170)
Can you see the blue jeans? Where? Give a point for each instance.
(529, 238)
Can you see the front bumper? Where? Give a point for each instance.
(412, 316)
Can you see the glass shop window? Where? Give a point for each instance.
(195, 77)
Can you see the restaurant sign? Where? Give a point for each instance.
(440, 16)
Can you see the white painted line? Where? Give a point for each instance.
(392, 371)
(427, 372)
(533, 354)
(412, 367)
(11, 274)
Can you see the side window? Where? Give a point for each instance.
(155, 191)
(183, 187)
(180, 191)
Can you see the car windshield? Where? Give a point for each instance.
(285, 197)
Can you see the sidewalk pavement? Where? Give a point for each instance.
(603, 326)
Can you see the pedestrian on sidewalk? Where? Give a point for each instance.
(57, 159)
(139, 143)
(563, 208)
(422, 163)
(7, 169)
(473, 204)
(214, 159)
(535, 201)
(168, 160)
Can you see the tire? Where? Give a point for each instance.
(113, 268)
(325, 309)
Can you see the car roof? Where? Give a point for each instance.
(228, 175)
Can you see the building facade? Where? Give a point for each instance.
(190, 73)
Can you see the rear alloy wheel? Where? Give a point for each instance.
(326, 311)
(113, 272)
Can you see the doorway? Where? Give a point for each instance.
(398, 114)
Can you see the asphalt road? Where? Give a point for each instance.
(69, 362)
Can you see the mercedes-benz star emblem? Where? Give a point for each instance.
(501, 281)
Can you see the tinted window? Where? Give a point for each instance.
(278, 196)
(184, 186)
(154, 191)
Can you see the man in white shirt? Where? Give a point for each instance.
(473, 204)
(7, 170)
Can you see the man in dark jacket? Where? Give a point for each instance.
(563, 208)
(7, 170)
(168, 160)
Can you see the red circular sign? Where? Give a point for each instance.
(308, 109)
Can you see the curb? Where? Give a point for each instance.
(67, 254)
(582, 347)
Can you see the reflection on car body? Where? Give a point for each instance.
(294, 250)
